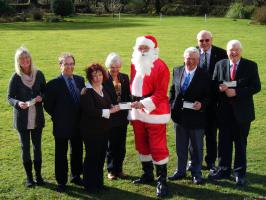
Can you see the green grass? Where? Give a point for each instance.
(90, 39)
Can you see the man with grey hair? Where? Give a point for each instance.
(189, 95)
(209, 56)
(237, 80)
(62, 103)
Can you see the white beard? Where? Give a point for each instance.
(144, 62)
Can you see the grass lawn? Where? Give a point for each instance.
(90, 39)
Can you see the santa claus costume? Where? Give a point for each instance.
(149, 85)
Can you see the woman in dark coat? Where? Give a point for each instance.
(96, 108)
(25, 94)
(117, 86)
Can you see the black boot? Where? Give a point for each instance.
(162, 188)
(38, 167)
(28, 169)
(147, 176)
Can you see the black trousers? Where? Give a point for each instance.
(61, 163)
(116, 149)
(231, 132)
(211, 139)
(95, 146)
(25, 138)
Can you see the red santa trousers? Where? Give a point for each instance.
(150, 142)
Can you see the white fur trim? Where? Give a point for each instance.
(161, 162)
(145, 158)
(137, 114)
(148, 104)
(137, 85)
(106, 113)
(144, 41)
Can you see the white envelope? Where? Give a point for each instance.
(189, 105)
(230, 83)
(125, 105)
(31, 102)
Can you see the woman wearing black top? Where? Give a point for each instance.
(25, 94)
(117, 86)
(96, 108)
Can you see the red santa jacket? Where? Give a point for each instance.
(156, 104)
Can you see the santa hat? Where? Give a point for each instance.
(148, 40)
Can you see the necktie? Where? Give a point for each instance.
(185, 84)
(72, 90)
(205, 63)
(233, 71)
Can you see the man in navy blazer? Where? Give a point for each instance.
(212, 54)
(62, 104)
(188, 99)
(237, 80)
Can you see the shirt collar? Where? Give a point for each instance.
(66, 77)
(208, 51)
(231, 63)
(190, 72)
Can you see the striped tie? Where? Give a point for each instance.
(72, 90)
(185, 84)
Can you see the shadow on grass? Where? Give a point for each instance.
(72, 25)
(111, 193)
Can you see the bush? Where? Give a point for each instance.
(135, 6)
(260, 15)
(63, 7)
(36, 14)
(5, 9)
(240, 11)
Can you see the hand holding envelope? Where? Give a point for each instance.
(125, 105)
(192, 105)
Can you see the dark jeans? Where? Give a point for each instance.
(35, 135)
(61, 164)
(95, 146)
(183, 137)
(116, 149)
(233, 132)
(211, 140)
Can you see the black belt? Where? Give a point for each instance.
(135, 98)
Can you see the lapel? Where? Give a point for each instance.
(227, 71)
(240, 68)
(212, 58)
(178, 78)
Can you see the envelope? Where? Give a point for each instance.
(230, 83)
(31, 102)
(188, 105)
(125, 105)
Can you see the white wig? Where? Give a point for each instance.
(22, 50)
(191, 50)
(233, 43)
(112, 58)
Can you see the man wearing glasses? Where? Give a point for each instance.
(62, 102)
(209, 56)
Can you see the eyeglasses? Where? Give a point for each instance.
(206, 40)
(68, 64)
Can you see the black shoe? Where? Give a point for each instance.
(197, 180)
(30, 183)
(61, 188)
(40, 181)
(77, 181)
(177, 176)
(219, 174)
(144, 180)
(211, 166)
(240, 181)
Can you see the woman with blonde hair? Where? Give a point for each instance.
(25, 94)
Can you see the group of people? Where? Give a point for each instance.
(213, 90)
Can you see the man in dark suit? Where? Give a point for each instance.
(209, 56)
(62, 104)
(188, 98)
(237, 80)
